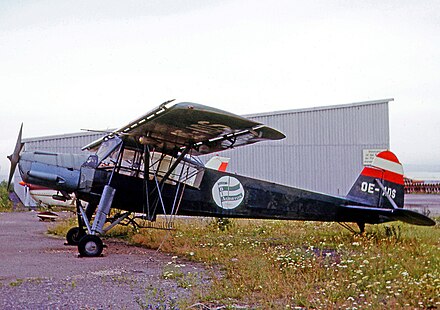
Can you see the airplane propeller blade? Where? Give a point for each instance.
(15, 156)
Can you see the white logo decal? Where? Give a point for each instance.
(228, 192)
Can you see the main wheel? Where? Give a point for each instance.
(90, 246)
(74, 235)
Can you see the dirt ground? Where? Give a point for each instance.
(38, 271)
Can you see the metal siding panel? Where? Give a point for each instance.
(60, 144)
(322, 150)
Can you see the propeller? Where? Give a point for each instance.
(15, 157)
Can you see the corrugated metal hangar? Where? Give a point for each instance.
(323, 151)
(68, 143)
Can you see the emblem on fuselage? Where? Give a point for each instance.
(227, 192)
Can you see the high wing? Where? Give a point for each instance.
(170, 128)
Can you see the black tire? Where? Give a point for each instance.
(90, 246)
(74, 235)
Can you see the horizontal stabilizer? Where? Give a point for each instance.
(399, 214)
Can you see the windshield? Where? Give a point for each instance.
(108, 147)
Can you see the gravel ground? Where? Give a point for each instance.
(39, 272)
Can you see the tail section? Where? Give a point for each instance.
(381, 184)
(217, 163)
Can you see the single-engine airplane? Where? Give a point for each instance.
(151, 166)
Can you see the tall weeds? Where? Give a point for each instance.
(5, 203)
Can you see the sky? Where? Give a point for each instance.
(68, 65)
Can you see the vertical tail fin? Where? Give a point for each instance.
(385, 170)
(217, 163)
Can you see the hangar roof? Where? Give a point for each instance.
(330, 107)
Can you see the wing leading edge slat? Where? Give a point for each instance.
(205, 129)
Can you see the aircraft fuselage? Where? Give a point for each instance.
(220, 194)
(223, 194)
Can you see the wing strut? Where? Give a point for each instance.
(175, 164)
(159, 185)
(145, 182)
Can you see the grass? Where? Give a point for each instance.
(17, 282)
(156, 299)
(62, 227)
(274, 264)
(5, 203)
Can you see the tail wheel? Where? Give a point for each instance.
(90, 246)
(74, 235)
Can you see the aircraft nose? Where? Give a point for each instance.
(24, 166)
(52, 170)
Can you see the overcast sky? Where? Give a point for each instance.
(67, 65)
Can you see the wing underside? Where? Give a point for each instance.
(206, 130)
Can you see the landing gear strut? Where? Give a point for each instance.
(89, 244)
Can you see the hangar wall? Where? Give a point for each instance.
(68, 143)
(323, 148)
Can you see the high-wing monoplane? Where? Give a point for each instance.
(151, 166)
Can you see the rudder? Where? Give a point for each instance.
(385, 170)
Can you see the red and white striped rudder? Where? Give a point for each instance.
(387, 169)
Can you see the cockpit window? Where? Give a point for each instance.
(130, 162)
(91, 162)
(108, 151)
